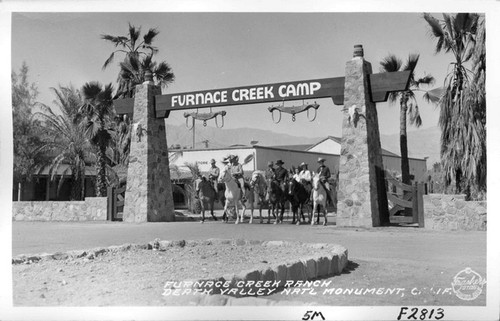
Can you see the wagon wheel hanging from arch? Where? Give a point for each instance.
(293, 110)
(205, 116)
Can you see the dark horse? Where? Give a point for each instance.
(277, 199)
(208, 196)
(298, 197)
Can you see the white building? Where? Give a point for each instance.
(256, 157)
(392, 162)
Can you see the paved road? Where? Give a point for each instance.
(379, 244)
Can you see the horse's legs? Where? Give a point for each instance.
(319, 213)
(313, 213)
(202, 210)
(225, 217)
(325, 221)
(236, 208)
(212, 210)
(294, 211)
(251, 214)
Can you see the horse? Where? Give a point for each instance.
(232, 193)
(207, 196)
(249, 203)
(258, 186)
(319, 199)
(277, 198)
(298, 197)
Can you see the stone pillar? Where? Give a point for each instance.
(362, 199)
(148, 197)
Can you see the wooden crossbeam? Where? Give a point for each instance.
(380, 86)
(398, 184)
(398, 201)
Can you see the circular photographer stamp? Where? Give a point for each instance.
(468, 284)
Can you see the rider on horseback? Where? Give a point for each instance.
(305, 177)
(281, 175)
(269, 175)
(213, 175)
(324, 174)
(237, 171)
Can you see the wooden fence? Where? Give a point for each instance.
(116, 202)
(406, 202)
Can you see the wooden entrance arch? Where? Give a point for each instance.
(362, 199)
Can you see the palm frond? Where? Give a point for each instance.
(109, 60)
(150, 35)
(425, 80)
(436, 30)
(411, 62)
(390, 63)
(134, 34)
(91, 90)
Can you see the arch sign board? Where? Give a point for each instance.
(317, 88)
(380, 84)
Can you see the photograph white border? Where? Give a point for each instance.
(7, 311)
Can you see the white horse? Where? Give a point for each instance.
(232, 193)
(319, 199)
(258, 188)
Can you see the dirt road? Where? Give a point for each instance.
(420, 261)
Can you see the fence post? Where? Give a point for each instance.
(414, 211)
(111, 201)
(420, 197)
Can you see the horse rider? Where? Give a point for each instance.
(213, 174)
(324, 174)
(296, 174)
(281, 174)
(305, 177)
(269, 175)
(197, 182)
(237, 171)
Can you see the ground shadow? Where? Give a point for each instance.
(351, 266)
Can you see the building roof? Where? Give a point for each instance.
(338, 140)
(335, 139)
(299, 147)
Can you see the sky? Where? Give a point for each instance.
(228, 49)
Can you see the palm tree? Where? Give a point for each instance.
(65, 139)
(96, 113)
(407, 102)
(138, 59)
(474, 161)
(461, 122)
(129, 44)
(132, 73)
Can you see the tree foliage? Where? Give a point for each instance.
(462, 106)
(96, 114)
(66, 142)
(26, 129)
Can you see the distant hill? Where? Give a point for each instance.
(421, 142)
(218, 138)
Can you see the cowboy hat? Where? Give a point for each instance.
(321, 160)
(212, 161)
(303, 164)
(270, 163)
(279, 162)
